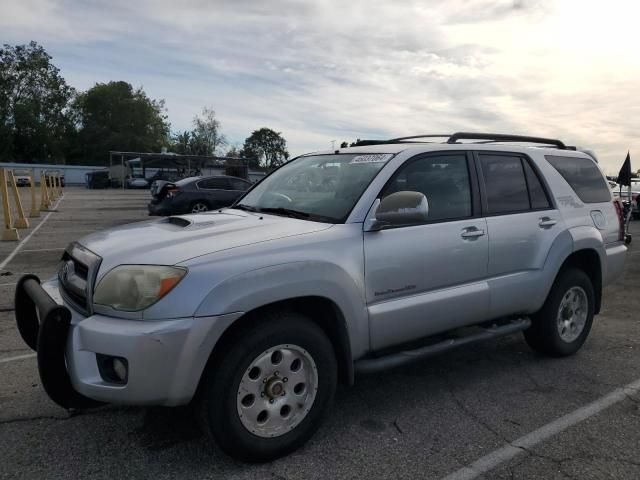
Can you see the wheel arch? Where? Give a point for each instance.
(323, 311)
(588, 260)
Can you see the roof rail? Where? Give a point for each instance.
(485, 137)
(364, 143)
(498, 137)
(400, 139)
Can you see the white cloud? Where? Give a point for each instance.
(325, 70)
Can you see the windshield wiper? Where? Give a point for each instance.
(287, 212)
(246, 208)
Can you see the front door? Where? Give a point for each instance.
(428, 278)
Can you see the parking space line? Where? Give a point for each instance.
(24, 241)
(19, 357)
(522, 444)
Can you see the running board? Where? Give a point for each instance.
(369, 365)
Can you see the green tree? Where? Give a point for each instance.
(35, 123)
(234, 152)
(181, 143)
(207, 133)
(115, 116)
(266, 148)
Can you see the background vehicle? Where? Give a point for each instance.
(164, 175)
(336, 263)
(136, 181)
(97, 179)
(23, 178)
(158, 181)
(635, 197)
(197, 194)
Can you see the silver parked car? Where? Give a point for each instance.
(337, 263)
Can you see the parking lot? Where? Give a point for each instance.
(496, 407)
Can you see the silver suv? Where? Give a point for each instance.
(337, 263)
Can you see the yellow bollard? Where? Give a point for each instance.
(21, 221)
(44, 194)
(35, 211)
(8, 232)
(51, 187)
(58, 185)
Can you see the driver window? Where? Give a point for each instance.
(444, 180)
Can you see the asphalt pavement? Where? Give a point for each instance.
(456, 414)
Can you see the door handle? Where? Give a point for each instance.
(546, 222)
(472, 232)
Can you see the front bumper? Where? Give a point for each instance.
(165, 358)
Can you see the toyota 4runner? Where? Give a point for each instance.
(337, 263)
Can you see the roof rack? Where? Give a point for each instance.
(364, 143)
(498, 137)
(486, 137)
(400, 139)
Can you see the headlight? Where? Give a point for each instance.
(135, 287)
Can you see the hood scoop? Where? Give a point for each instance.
(190, 223)
(178, 222)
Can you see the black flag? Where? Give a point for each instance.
(624, 176)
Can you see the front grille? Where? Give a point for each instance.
(76, 275)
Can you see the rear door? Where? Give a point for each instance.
(426, 278)
(522, 224)
(217, 191)
(238, 187)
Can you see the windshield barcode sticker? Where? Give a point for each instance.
(372, 158)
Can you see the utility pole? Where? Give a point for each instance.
(333, 145)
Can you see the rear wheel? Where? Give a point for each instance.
(266, 393)
(199, 207)
(562, 325)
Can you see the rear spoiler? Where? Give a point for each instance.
(591, 153)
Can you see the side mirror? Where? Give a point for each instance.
(401, 208)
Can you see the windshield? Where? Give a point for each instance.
(317, 187)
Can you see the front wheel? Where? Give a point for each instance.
(266, 393)
(563, 323)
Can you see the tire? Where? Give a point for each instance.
(227, 383)
(199, 207)
(552, 332)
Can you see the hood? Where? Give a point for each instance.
(172, 240)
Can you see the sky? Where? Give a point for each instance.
(326, 70)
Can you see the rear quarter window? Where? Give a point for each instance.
(583, 176)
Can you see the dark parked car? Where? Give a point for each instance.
(197, 194)
(97, 179)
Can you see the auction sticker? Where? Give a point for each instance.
(372, 158)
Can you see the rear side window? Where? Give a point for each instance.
(537, 194)
(584, 177)
(505, 184)
(238, 184)
(213, 184)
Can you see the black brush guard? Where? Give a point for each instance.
(44, 326)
